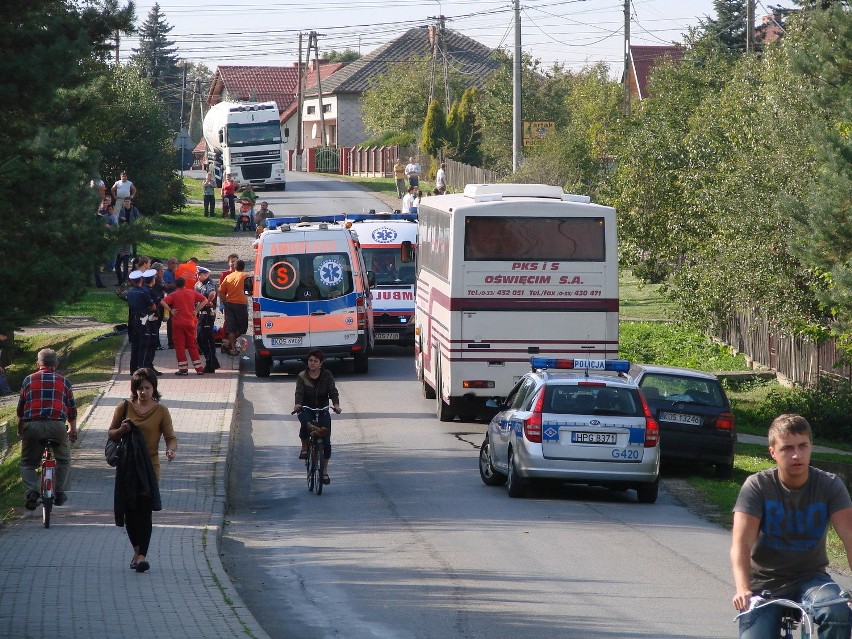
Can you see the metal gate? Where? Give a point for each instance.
(328, 160)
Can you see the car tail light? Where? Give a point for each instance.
(652, 428)
(725, 421)
(362, 313)
(255, 323)
(532, 424)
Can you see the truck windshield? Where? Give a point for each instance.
(254, 133)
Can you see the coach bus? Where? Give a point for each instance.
(506, 271)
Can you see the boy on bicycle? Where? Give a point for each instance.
(781, 520)
(315, 387)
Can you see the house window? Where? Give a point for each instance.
(326, 108)
(312, 110)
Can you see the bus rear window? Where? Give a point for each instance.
(579, 239)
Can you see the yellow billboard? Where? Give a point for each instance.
(535, 132)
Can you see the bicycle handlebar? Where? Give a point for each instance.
(318, 410)
(765, 599)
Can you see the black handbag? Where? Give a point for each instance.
(114, 448)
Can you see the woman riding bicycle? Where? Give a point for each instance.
(315, 387)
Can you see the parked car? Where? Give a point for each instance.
(696, 422)
(585, 426)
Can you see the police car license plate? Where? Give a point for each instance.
(680, 418)
(593, 438)
(286, 341)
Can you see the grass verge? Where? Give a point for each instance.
(83, 361)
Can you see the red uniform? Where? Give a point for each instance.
(182, 302)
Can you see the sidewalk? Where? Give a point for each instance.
(72, 580)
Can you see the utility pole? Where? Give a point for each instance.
(626, 57)
(299, 97)
(442, 47)
(517, 124)
(313, 41)
(749, 31)
(117, 43)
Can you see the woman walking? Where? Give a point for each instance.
(141, 421)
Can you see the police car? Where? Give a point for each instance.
(574, 420)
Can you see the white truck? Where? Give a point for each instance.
(244, 139)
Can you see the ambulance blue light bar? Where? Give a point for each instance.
(361, 217)
(614, 365)
(275, 222)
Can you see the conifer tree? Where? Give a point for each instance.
(158, 61)
(434, 137)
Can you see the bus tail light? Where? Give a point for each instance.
(725, 421)
(652, 428)
(255, 307)
(477, 383)
(532, 424)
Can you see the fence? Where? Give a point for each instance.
(795, 359)
(459, 175)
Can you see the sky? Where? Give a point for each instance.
(573, 33)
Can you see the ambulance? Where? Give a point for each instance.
(388, 241)
(311, 290)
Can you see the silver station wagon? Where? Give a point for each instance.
(574, 420)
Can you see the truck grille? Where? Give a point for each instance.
(256, 171)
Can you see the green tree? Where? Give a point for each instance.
(48, 252)
(397, 101)
(823, 238)
(464, 133)
(347, 56)
(158, 61)
(729, 25)
(434, 136)
(132, 131)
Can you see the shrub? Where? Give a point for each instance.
(826, 406)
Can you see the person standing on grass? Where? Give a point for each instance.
(781, 520)
(412, 172)
(183, 306)
(399, 177)
(209, 189)
(229, 197)
(46, 403)
(142, 421)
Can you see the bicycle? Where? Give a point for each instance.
(795, 612)
(316, 438)
(48, 479)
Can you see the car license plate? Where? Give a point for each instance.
(286, 341)
(388, 336)
(680, 418)
(593, 438)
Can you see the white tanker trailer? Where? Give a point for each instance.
(244, 139)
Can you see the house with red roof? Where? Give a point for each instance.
(261, 84)
(642, 60)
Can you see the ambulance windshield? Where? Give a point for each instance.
(307, 278)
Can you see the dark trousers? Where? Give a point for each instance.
(209, 205)
(139, 524)
(206, 341)
(153, 337)
(122, 265)
(142, 345)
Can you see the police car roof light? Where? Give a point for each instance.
(614, 365)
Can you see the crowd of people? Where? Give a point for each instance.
(407, 178)
(186, 299)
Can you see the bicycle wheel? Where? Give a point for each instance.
(46, 494)
(318, 474)
(311, 463)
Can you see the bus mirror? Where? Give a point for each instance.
(406, 252)
(371, 279)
